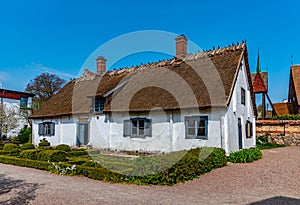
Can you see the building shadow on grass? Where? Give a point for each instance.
(15, 191)
(278, 200)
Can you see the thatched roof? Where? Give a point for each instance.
(201, 80)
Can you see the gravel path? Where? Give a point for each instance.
(275, 179)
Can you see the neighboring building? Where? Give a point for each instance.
(283, 108)
(260, 86)
(192, 100)
(10, 99)
(294, 88)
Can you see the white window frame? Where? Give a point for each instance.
(196, 127)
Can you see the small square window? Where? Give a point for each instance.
(99, 104)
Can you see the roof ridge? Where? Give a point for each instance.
(161, 63)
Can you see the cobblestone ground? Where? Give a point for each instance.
(275, 179)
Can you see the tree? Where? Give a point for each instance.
(44, 87)
(8, 119)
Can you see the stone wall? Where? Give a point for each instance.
(280, 131)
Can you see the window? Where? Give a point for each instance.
(99, 104)
(196, 127)
(137, 128)
(23, 102)
(249, 129)
(47, 129)
(243, 96)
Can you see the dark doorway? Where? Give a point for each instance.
(83, 134)
(240, 133)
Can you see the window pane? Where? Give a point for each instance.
(141, 124)
(191, 131)
(190, 122)
(202, 123)
(134, 127)
(201, 132)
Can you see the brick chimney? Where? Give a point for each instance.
(181, 47)
(101, 65)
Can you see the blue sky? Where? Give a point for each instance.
(59, 35)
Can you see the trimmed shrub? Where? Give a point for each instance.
(11, 149)
(30, 154)
(1, 144)
(15, 140)
(2, 152)
(52, 156)
(63, 147)
(25, 162)
(27, 146)
(44, 143)
(194, 163)
(78, 152)
(245, 156)
(78, 161)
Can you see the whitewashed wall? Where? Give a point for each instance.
(168, 132)
(65, 131)
(237, 110)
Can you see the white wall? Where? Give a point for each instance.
(65, 131)
(168, 132)
(237, 110)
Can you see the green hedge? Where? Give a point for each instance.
(246, 155)
(27, 146)
(44, 143)
(30, 154)
(52, 156)
(63, 147)
(1, 144)
(76, 153)
(10, 147)
(194, 163)
(25, 162)
(286, 117)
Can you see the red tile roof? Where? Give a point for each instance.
(260, 82)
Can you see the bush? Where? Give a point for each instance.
(52, 156)
(286, 117)
(24, 135)
(2, 152)
(194, 163)
(1, 144)
(78, 152)
(245, 156)
(44, 143)
(63, 147)
(11, 149)
(15, 140)
(25, 162)
(27, 146)
(30, 154)
(262, 143)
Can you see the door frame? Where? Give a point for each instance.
(88, 133)
(240, 133)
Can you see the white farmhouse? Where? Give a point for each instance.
(193, 100)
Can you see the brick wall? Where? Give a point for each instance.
(280, 131)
